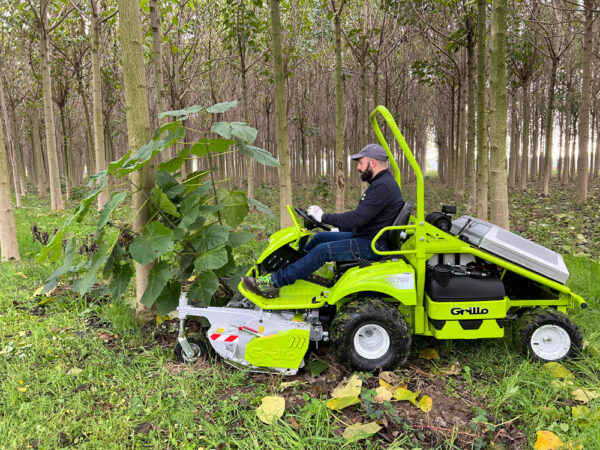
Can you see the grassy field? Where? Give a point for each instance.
(85, 373)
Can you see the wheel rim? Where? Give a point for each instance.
(197, 351)
(550, 342)
(371, 341)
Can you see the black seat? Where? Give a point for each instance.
(397, 237)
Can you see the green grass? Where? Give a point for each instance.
(86, 373)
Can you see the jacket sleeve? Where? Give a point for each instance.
(377, 198)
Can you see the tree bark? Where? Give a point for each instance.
(584, 106)
(471, 166)
(11, 152)
(525, 137)
(459, 193)
(340, 179)
(38, 157)
(138, 125)
(545, 179)
(285, 182)
(498, 115)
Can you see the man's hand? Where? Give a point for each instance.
(315, 212)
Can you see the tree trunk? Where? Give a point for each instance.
(11, 152)
(99, 150)
(525, 137)
(549, 130)
(471, 167)
(65, 152)
(8, 230)
(285, 182)
(482, 144)
(340, 180)
(56, 200)
(584, 106)
(564, 176)
(159, 85)
(459, 192)
(498, 115)
(38, 157)
(138, 124)
(512, 165)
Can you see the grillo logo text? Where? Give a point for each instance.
(473, 311)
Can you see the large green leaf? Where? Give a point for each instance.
(262, 207)
(157, 241)
(205, 286)
(260, 155)
(229, 267)
(53, 249)
(221, 107)
(168, 299)
(189, 211)
(83, 284)
(175, 163)
(157, 280)
(54, 278)
(212, 259)
(181, 114)
(195, 181)
(161, 202)
(204, 146)
(240, 238)
(237, 129)
(236, 208)
(110, 206)
(169, 184)
(122, 274)
(210, 237)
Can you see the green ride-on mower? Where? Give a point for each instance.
(461, 279)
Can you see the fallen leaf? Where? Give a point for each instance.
(144, 428)
(316, 367)
(37, 291)
(390, 380)
(339, 403)
(271, 409)
(452, 369)
(425, 403)
(22, 389)
(383, 394)
(74, 371)
(584, 395)
(289, 384)
(557, 370)
(294, 424)
(360, 431)
(406, 394)
(350, 389)
(22, 275)
(547, 440)
(562, 384)
(107, 336)
(428, 353)
(590, 348)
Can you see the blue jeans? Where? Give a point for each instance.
(324, 247)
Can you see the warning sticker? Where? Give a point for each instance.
(402, 281)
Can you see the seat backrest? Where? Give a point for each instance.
(396, 238)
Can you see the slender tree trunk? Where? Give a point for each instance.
(564, 176)
(65, 152)
(11, 152)
(451, 167)
(482, 144)
(285, 182)
(8, 230)
(498, 115)
(534, 145)
(459, 192)
(584, 106)
(56, 200)
(91, 163)
(512, 165)
(340, 180)
(99, 146)
(525, 137)
(159, 85)
(549, 129)
(138, 124)
(471, 166)
(38, 157)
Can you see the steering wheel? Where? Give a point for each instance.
(310, 222)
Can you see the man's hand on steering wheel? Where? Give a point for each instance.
(315, 212)
(310, 221)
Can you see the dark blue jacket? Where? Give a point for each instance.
(378, 208)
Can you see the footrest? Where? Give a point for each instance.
(467, 329)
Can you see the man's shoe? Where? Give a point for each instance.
(261, 286)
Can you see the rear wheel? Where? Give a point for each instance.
(369, 334)
(548, 335)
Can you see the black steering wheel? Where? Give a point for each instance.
(310, 222)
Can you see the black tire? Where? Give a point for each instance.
(199, 347)
(547, 335)
(373, 318)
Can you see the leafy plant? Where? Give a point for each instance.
(191, 229)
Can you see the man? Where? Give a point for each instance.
(378, 208)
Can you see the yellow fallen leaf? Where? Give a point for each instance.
(288, 384)
(383, 395)
(390, 380)
(557, 370)
(271, 409)
(339, 403)
(350, 389)
(37, 291)
(425, 403)
(451, 369)
(584, 395)
(547, 440)
(360, 431)
(428, 353)
(562, 384)
(22, 389)
(22, 275)
(406, 394)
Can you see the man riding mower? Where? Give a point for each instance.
(395, 275)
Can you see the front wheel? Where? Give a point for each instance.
(548, 335)
(370, 334)
(198, 347)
